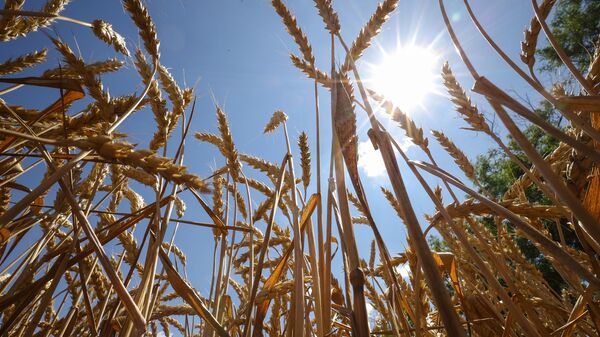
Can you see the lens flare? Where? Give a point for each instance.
(405, 76)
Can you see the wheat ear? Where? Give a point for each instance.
(459, 157)
(277, 119)
(104, 31)
(368, 32)
(292, 27)
(11, 66)
(329, 16)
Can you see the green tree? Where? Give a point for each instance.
(497, 173)
(576, 26)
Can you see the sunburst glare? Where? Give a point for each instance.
(405, 76)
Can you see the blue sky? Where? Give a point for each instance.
(236, 54)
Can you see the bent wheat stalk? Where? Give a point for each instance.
(559, 254)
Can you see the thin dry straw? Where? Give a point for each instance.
(299, 305)
(345, 127)
(422, 249)
(189, 295)
(345, 223)
(531, 232)
(131, 307)
(344, 121)
(515, 106)
(554, 181)
(263, 252)
(460, 234)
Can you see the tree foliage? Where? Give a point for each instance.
(576, 26)
(497, 173)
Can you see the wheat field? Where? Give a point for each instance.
(277, 226)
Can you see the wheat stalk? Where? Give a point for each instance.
(93, 84)
(144, 159)
(593, 74)
(8, 23)
(311, 71)
(239, 199)
(481, 253)
(98, 68)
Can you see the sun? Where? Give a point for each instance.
(405, 76)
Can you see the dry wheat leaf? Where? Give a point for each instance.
(447, 262)
(58, 83)
(189, 295)
(262, 307)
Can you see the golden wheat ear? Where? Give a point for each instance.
(459, 157)
(278, 118)
(462, 102)
(104, 31)
(16, 65)
(369, 32)
(531, 34)
(139, 14)
(304, 159)
(292, 27)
